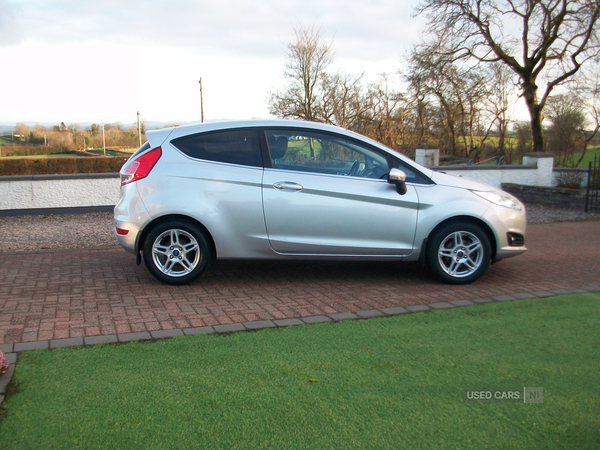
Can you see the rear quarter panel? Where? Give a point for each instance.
(225, 198)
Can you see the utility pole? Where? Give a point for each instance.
(103, 140)
(201, 102)
(139, 130)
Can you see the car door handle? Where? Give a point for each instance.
(288, 186)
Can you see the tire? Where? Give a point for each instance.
(176, 252)
(459, 253)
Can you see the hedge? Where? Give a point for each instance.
(15, 150)
(46, 166)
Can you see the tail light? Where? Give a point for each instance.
(141, 167)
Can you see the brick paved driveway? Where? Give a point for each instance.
(74, 294)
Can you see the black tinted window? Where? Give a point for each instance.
(230, 146)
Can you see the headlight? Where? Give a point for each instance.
(501, 199)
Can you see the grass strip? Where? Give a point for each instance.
(380, 383)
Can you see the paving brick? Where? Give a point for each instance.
(418, 308)
(343, 316)
(462, 302)
(25, 346)
(562, 291)
(6, 348)
(504, 298)
(543, 294)
(198, 330)
(441, 305)
(370, 313)
(287, 322)
(316, 319)
(105, 339)
(523, 295)
(394, 311)
(229, 328)
(160, 334)
(140, 336)
(259, 324)
(483, 300)
(71, 342)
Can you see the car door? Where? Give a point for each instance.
(328, 194)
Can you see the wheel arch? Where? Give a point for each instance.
(162, 219)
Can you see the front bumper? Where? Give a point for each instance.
(507, 224)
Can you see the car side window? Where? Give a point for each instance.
(229, 146)
(308, 151)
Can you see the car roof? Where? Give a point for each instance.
(184, 130)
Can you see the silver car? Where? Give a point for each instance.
(301, 190)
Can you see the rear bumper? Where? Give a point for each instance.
(130, 215)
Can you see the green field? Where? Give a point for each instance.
(381, 383)
(590, 153)
(109, 152)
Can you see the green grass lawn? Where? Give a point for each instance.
(100, 151)
(590, 153)
(381, 383)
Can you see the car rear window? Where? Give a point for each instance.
(229, 146)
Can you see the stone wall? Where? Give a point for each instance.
(59, 191)
(537, 170)
(548, 196)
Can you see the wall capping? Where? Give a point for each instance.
(62, 176)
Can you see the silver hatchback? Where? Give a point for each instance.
(302, 190)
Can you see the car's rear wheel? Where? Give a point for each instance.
(176, 252)
(459, 253)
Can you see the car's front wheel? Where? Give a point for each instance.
(459, 253)
(176, 252)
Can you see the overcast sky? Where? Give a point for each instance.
(83, 61)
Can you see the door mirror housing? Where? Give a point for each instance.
(398, 178)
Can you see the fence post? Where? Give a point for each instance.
(587, 188)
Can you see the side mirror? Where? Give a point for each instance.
(398, 178)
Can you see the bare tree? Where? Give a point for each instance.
(342, 103)
(566, 133)
(307, 60)
(387, 115)
(430, 73)
(456, 90)
(523, 135)
(500, 89)
(550, 41)
(586, 87)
